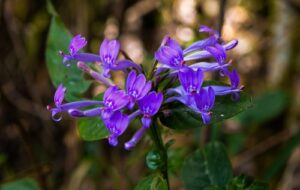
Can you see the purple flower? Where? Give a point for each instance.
(86, 113)
(113, 100)
(116, 124)
(218, 52)
(59, 95)
(97, 76)
(135, 139)
(109, 51)
(73, 107)
(149, 106)
(202, 54)
(77, 43)
(209, 30)
(233, 89)
(209, 67)
(204, 102)
(169, 42)
(170, 54)
(136, 87)
(191, 82)
(202, 44)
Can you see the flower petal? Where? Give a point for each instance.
(130, 80)
(59, 95)
(206, 117)
(145, 89)
(76, 44)
(135, 139)
(146, 122)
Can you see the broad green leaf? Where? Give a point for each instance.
(92, 129)
(155, 182)
(265, 107)
(179, 116)
(71, 77)
(243, 182)
(209, 166)
(282, 157)
(22, 184)
(176, 158)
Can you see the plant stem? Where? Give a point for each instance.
(150, 76)
(221, 16)
(156, 136)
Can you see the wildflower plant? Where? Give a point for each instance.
(174, 94)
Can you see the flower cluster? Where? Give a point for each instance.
(139, 98)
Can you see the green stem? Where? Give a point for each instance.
(156, 136)
(150, 76)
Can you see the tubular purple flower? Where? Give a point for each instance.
(218, 52)
(170, 54)
(87, 113)
(134, 115)
(191, 80)
(149, 106)
(202, 44)
(113, 100)
(136, 87)
(135, 139)
(58, 99)
(123, 65)
(233, 89)
(99, 77)
(205, 67)
(77, 43)
(204, 101)
(205, 54)
(109, 51)
(212, 32)
(116, 124)
(169, 42)
(59, 95)
(209, 67)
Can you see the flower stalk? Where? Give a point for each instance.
(160, 147)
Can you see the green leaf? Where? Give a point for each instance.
(207, 167)
(282, 157)
(92, 129)
(155, 182)
(179, 116)
(176, 158)
(265, 107)
(50, 8)
(243, 182)
(22, 184)
(71, 77)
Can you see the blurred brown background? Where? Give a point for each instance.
(267, 58)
